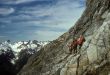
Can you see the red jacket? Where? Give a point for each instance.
(80, 40)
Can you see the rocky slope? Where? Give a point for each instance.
(13, 56)
(94, 56)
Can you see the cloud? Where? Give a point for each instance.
(53, 19)
(47, 35)
(2, 36)
(4, 21)
(81, 3)
(23, 1)
(18, 1)
(6, 11)
(63, 14)
(2, 26)
(12, 32)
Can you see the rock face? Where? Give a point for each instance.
(93, 57)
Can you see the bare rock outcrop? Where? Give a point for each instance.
(94, 56)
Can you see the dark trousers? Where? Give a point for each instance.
(73, 48)
(80, 45)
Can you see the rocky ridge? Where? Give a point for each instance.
(94, 56)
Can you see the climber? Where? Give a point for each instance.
(80, 41)
(73, 46)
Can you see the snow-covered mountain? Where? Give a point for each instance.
(18, 46)
(30, 46)
(14, 56)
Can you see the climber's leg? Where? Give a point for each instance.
(75, 49)
(79, 46)
(70, 49)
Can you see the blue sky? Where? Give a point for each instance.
(37, 19)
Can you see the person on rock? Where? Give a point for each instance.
(76, 43)
(73, 46)
(80, 41)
